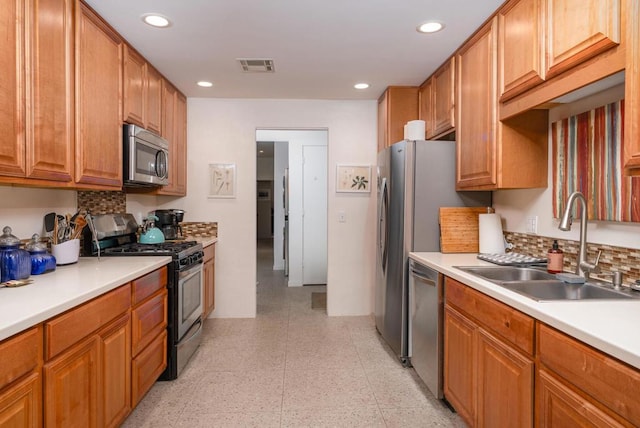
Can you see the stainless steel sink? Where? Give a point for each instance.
(508, 273)
(539, 285)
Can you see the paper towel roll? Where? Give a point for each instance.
(490, 237)
(415, 130)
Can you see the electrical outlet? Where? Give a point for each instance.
(532, 224)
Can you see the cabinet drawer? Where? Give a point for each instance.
(147, 285)
(21, 354)
(147, 367)
(508, 323)
(70, 327)
(609, 381)
(148, 320)
(209, 252)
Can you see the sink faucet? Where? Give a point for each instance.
(583, 268)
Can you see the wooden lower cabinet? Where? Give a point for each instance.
(21, 404)
(88, 385)
(459, 364)
(488, 351)
(209, 273)
(21, 379)
(558, 405)
(147, 366)
(505, 384)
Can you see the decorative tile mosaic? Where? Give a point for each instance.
(626, 260)
(102, 202)
(199, 229)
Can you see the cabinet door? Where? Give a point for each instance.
(557, 405)
(147, 366)
(476, 137)
(115, 376)
(209, 288)
(98, 104)
(50, 142)
(400, 105)
(459, 364)
(425, 109)
(180, 129)
(580, 29)
(520, 47)
(135, 87)
(632, 91)
(12, 87)
(21, 404)
(71, 387)
(444, 98)
(505, 384)
(154, 100)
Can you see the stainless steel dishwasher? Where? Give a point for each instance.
(426, 306)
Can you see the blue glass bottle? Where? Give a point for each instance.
(41, 260)
(15, 263)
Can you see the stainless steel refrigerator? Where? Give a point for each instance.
(415, 179)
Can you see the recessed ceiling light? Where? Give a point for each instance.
(204, 84)
(361, 85)
(430, 27)
(156, 20)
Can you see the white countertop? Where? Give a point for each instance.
(55, 292)
(204, 240)
(609, 326)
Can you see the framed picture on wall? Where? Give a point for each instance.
(353, 178)
(222, 180)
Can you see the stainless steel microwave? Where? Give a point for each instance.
(146, 158)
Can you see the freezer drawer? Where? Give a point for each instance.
(426, 323)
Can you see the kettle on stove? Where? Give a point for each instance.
(150, 233)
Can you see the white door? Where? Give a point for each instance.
(314, 194)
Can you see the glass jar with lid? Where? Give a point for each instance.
(15, 263)
(41, 260)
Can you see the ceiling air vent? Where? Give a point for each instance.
(257, 65)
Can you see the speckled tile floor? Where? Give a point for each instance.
(291, 366)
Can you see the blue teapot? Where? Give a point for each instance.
(150, 233)
(15, 263)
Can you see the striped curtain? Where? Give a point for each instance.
(588, 156)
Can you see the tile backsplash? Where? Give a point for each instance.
(102, 202)
(626, 260)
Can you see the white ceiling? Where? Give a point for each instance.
(320, 48)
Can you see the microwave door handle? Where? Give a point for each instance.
(161, 164)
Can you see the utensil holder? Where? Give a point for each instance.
(67, 252)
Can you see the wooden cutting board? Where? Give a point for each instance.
(459, 229)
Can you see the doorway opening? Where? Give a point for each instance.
(291, 205)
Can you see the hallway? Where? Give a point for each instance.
(291, 366)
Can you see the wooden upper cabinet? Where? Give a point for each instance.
(154, 100)
(580, 29)
(135, 87)
(425, 106)
(476, 136)
(12, 86)
(174, 129)
(444, 98)
(98, 102)
(142, 94)
(520, 47)
(493, 154)
(396, 106)
(632, 91)
(50, 142)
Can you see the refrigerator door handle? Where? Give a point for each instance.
(383, 227)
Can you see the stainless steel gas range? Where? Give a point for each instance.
(115, 235)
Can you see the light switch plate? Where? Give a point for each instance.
(532, 224)
(342, 217)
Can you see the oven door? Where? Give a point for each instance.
(189, 298)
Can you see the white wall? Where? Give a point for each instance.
(223, 130)
(23, 208)
(516, 205)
